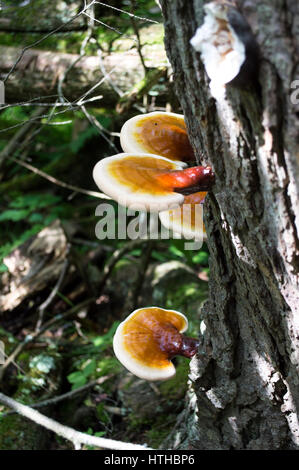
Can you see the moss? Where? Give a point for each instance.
(154, 430)
(175, 388)
(17, 433)
(157, 434)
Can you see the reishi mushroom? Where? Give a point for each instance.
(148, 181)
(184, 220)
(160, 133)
(149, 338)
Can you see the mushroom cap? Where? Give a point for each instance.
(131, 180)
(138, 345)
(185, 220)
(160, 133)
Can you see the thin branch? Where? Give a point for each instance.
(144, 262)
(37, 119)
(136, 31)
(118, 254)
(109, 27)
(82, 54)
(95, 123)
(76, 437)
(127, 13)
(60, 183)
(14, 143)
(117, 90)
(45, 37)
(30, 338)
(31, 102)
(65, 396)
(47, 302)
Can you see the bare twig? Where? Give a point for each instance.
(47, 105)
(82, 54)
(77, 438)
(45, 37)
(109, 27)
(59, 182)
(95, 123)
(117, 90)
(144, 262)
(14, 143)
(136, 31)
(127, 13)
(30, 338)
(117, 255)
(47, 302)
(65, 396)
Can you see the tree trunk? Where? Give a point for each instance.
(245, 390)
(38, 72)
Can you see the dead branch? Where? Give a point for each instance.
(77, 438)
(117, 255)
(59, 182)
(30, 338)
(15, 142)
(65, 396)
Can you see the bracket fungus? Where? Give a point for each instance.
(149, 182)
(186, 220)
(160, 133)
(227, 46)
(149, 338)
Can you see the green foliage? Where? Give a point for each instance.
(92, 368)
(102, 342)
(80, 378)
(8, 247)
(22, 209)
(96, 434)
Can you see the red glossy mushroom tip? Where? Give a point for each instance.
(189, 347)
(189, 180)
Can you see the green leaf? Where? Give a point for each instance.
(176, 252)
(3, 268)
(36, 217)
(156, 255)
(103, 341)
(14, 215)
(76, 377)
(35, 200)
(201, 258)
(90, 368)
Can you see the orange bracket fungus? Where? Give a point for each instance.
(186, 220)
(149, 338)
(147, 181)
(160, 133)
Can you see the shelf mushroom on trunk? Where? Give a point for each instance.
(149, 338)
(186, 220)
(149, 182)
(160, 133)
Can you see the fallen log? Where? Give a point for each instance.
(33, 266)
(38, 73)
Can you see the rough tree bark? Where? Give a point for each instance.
(245, 377)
